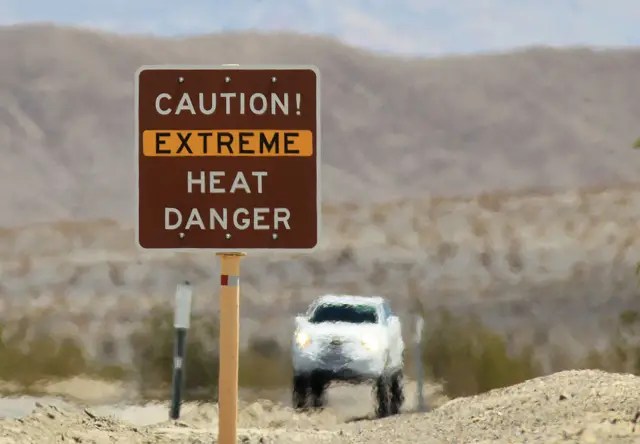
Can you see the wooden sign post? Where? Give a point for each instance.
(229, 346)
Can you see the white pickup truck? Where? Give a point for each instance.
(354, 339)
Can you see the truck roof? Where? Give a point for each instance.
(349, 299)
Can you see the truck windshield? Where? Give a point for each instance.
(352, 313)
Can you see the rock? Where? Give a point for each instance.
(588, 436)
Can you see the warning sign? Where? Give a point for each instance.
(228, 157)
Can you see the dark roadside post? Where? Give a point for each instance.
(419, 326)
(182, 316)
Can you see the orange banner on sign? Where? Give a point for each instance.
(185, 143)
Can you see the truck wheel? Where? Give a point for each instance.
(300, 392)
(382, 395)
(318, 392)
(397, 393)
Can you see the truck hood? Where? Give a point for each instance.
(342, 330)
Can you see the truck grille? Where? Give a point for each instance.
(335, 358)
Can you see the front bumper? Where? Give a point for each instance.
(339, 366)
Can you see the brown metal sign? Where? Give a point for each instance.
(228, 157)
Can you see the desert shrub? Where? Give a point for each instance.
(626, 344)
(264, 364)
(467, 357)
(266, 347)
(623, 353)
(27, 358)
(153, 347)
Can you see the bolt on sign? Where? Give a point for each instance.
(228, 157)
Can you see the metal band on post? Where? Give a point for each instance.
(229, 281)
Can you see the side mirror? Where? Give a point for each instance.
(300, 319)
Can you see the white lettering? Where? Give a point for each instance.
(213, 181)
(214, 217)
(194, 219)
(159, 109)
(258, 218)
(259, 175)
(197, 182)
(207, 103)
(185, 104)
(191, 181)
(240, 182)
(167, 218)
(281, 215)
(244, 223)
(252, 103)
(218, 219)
(203, 110)
(227, 97)
(283, 105)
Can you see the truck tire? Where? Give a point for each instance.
(318, 391)
(300, 393)
(397, 393)
(382, 396)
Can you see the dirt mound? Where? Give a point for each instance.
(260, 422)
(51, 424)
(583, 406)
(575, 406)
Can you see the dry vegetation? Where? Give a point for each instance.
(512, 286)
(546, 264)
(461, 353)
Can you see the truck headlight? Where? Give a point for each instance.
(370, 342)
(302, 339)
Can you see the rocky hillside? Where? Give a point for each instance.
(565, 260)
(392, 127)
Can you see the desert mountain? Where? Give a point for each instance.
(391, 127)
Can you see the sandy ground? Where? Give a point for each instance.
(573, 407)
(74, 413)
